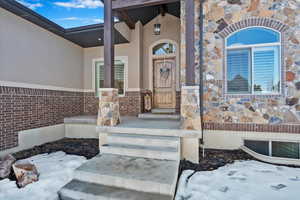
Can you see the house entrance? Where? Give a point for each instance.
(164, 87)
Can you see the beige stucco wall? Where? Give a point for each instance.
(31, 54)
(130, 50)
(41, 57)
(170, 30)
(137, 51)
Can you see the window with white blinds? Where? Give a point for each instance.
(252, 66)
(238, 73)
(119, 76)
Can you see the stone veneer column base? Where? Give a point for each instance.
(190, 108)
(190, 120)
(109, 109)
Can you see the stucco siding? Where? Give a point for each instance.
(30, 54)
(170, 30)
(130, 50)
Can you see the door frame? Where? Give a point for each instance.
(154, 57)
(170, 57)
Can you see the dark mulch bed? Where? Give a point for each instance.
(81, 147)
(214, 159)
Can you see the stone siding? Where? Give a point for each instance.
(247, 112)
(23, 108)
(190, 108)
(109, 107)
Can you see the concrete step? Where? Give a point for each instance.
(163, 111)
(155, 131)
(143, 140)
(164, 153)
(140, 174)
(159, 116)
(79, 190)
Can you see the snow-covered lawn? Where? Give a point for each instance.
(55, 170)
(242, 180)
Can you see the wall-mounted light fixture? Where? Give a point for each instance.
(157, 28)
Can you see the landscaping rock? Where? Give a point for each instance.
(26, 173)
(5, 165)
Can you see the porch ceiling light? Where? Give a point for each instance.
(157, 28)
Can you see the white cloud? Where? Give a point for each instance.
(84, 20)
(80, 4)
(98, 20)
(30, 5)
(69, 19)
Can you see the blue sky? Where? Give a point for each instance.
(68, 13)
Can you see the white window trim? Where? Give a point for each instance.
(279, 44)
(124, 59)
(270, 141)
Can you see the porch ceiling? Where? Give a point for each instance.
(146, 14)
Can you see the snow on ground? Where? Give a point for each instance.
(242, 180)
(56, 170)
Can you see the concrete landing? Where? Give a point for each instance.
(79, 190)
(141, 174)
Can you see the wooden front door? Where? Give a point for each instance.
(164, 87)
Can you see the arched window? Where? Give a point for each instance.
(163, 49)
(253, 61)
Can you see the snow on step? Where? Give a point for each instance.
(143, 140)
(159, 116)
(140, 174)
(79, 190)
(168, 153)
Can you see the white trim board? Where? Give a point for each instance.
(270, 159)
(37, 136)
(38, 86)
